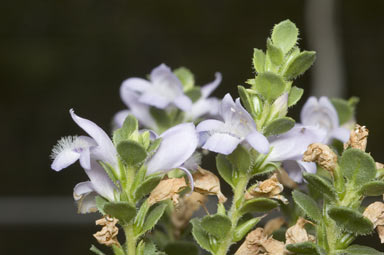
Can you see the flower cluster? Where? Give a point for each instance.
(149, 172)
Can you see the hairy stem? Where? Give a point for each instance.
(130, 244)
(234, 213)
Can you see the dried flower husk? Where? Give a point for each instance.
(108, 234)
(167, 188)
(322, 155)
(284, 179)
(257, 242)
(270, 188)
(206, 183)
(184, 210)
(273, 225)
(375, 213)
(358, 138)
(297, 233)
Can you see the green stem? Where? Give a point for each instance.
(130, 244)
(234, 214)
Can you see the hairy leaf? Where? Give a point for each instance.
(284, 35)
(350, 220)
(217, 225)
(123, 211)
(279, 126)
(299, 64)
(307, 205)
(259, 204)
(357, 166)
(269, 85)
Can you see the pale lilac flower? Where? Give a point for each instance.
(289, 148)
(322, 114)
(205, 105)
(163, 89)
(177, 146)
(140, 110)
(88, 150)
(237, 127)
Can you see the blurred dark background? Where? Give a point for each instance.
(57, 55)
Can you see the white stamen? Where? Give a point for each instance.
(65, 143)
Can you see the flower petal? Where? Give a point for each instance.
(81, 189)
(105, 150)
(319, 113)
(258, 141)
(209, 125)
(183, 102)
(87, 203)
(134, 84)
(190, 178)
(221, 143)
(177, 145)
(155, 99)
(164, 75)
(207, 89)
(341, 134)
(292, 144)
(100, 180)
(119, 118)
(64, 159)
(293, 169)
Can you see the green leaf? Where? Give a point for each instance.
(141, 215)
(284, 35)
(372, 188)
(344, 110)
(259, 204)
(161, 117)
(100, 203)
(275, 54)
(258, 60)
(151, 249)
(294, 95)
(305, 248)
(269, 85)
(245, 99)
(350, 220)
(154, 146)
(149, 183)
(321, 185)
(357, 166)
(95, 250)
(299, 64)
(307, 205)
(240, 159)
(201, 237)
(130, 125)
(123, 211)
(186, 77)
(181, 247)
(217, 225)
(224, 168)
(131, 152)
(153, 217)
(194, 94)
(242, 229)
(359, 250)
(279, 126)
(110, 172)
